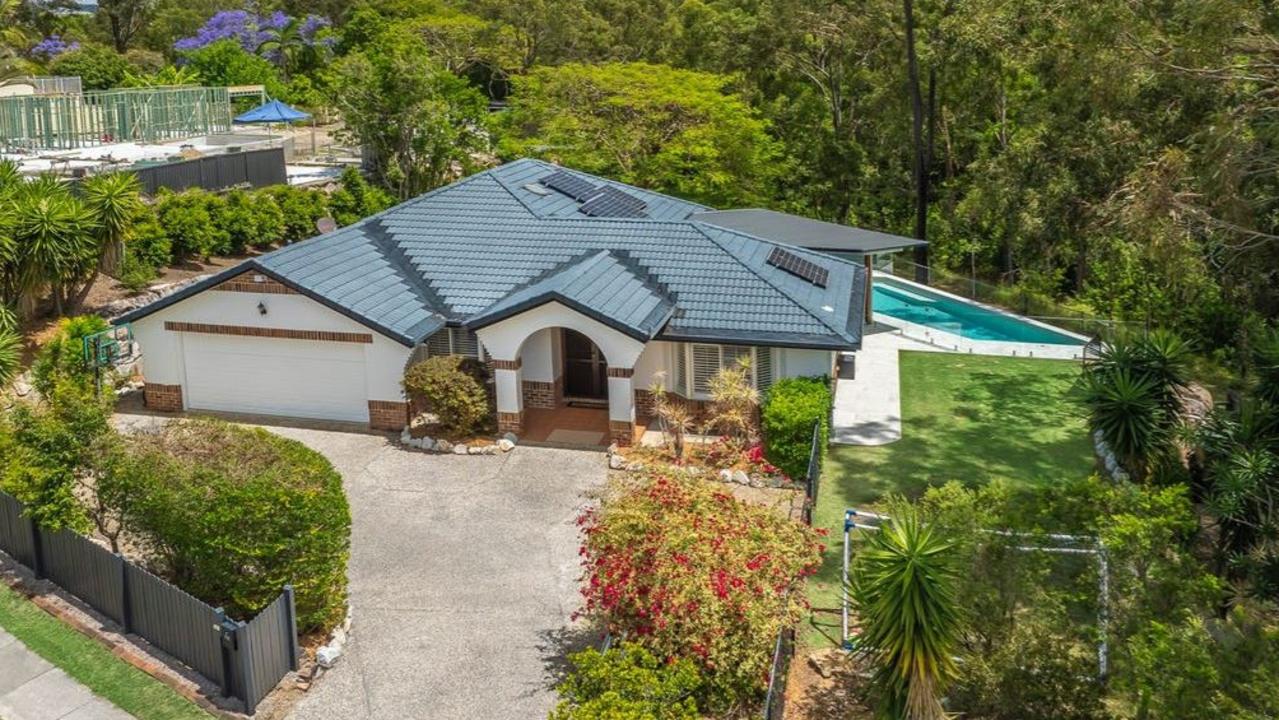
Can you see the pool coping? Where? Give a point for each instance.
(952, 342)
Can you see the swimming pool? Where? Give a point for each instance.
(914, 304)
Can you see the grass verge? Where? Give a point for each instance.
(86, 660)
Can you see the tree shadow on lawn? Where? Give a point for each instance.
(1024, 426)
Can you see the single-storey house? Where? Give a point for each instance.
(576, 290)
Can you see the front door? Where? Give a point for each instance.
(585, 372)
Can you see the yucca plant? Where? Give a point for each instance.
(1126, 407)
(54, 242)
(115, 201)
(903, 589)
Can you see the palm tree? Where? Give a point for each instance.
(114, 200)
(286, 44)
(903, 587)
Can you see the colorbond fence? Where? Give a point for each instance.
(255, 168)
(784, 647)
(245, 660)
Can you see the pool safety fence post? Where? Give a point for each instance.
(851, 524)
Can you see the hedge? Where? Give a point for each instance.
(790, 408)
(233, 514)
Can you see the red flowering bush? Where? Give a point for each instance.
(691, 572)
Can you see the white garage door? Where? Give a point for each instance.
(294, 378)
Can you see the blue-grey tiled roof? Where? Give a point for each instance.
(605, 285)
(470, 251)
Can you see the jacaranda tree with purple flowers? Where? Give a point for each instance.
(289, 42)
(51, 47)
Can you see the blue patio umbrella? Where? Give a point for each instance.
(271, 112)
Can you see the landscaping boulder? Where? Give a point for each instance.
(443, 446)
(460, 449)
(616, 462)
(506, 445)
(511, 438)
(741, 478)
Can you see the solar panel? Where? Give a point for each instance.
(798, 266)
(611, 202)
(571, 185)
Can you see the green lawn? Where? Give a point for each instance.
(86, 660)
(964, 417)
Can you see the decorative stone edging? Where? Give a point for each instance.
(617, 461)
(504, 444)
(1108, 459)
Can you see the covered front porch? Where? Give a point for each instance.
(562, 377)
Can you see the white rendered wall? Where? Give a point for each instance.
(538, 356)
(792, 362)
(162, 350)
(504, 339)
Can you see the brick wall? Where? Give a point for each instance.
(622, 433)
(548, 395)
(645, 404)
(162, 398)
(388, 414)
(245, 282)
(510, 422)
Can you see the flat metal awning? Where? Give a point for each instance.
(806, 232)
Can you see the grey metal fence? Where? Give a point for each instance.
(783, 653)
(814, 472)
(246, 660)
(255, 168)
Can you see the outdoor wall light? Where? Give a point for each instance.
(262, 308)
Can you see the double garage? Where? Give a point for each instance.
(257, 347)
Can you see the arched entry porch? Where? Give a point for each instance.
(555, 365)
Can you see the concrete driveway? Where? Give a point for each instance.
(463, 580)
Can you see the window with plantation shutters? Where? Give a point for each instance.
(454, 341)
(763, 368)
(441, 343)
(705, 362)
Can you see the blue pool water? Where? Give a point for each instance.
(913, 304)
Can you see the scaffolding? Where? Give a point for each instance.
(154, 114)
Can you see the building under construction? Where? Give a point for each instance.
(33, 123)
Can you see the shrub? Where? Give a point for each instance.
(62, 357)
(357, 199)
(98, 66)
(450, 387)
(232, 514)
(791, 406)
(689, 571)
(268, 220)
(301, 208)
(135, 274)
(49, 448)
(150, 244)
(627, 682)
(188, 221)
(250, 219)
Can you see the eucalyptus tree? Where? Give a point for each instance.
(903, 586)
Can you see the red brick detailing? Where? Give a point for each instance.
(510, 422)
(644, 402)
(162, 398)
(388, 414)
(546, 395)
(496, 364)
(620, 372)
(249, 283)
(277, 333)
(622, 433)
